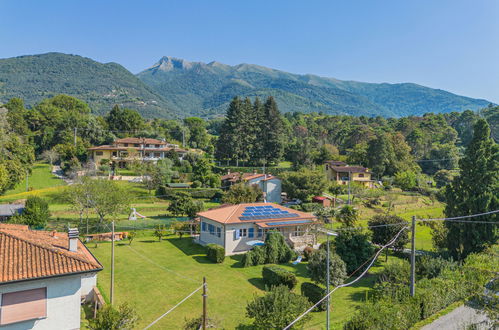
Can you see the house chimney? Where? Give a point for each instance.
(73, 234)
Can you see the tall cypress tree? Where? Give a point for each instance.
(229, 143)
(273, 134)
(475, 190)
(246, 130)
(257, 154)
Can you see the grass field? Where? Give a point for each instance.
(40, 178)
(153, 276)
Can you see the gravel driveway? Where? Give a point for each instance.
(458, 319)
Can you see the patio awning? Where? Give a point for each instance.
(283, 223)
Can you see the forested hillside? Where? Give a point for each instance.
(36, 77)
(206, 89)
(177, 88)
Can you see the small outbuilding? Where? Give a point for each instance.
(9, 210)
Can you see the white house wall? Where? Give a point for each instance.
(88, 281)
(272, 188)
(234, 246)
(63, 303)
(206, 237)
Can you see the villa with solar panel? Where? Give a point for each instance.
(239, 227)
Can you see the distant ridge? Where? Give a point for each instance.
(174, 87)
(35, 77)
(206, 88)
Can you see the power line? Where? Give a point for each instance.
(171, 309)
(162, 267)
(461, 217)
(350, 283)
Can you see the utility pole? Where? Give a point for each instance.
(112, 265)
(75, 136)
(204, 303)
(349, 180)
(413, 257)
(327, 283)
(183, 137)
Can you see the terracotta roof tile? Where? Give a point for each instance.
(139, 140)
(351, 169)
(28, 254)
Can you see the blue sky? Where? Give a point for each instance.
(447, 44)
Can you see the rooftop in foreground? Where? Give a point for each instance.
(32, 254)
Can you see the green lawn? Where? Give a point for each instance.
(40, 178)
(153, 276)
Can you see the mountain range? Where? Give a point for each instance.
(177, 88)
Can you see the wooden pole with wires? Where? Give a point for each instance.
(204, 303)
(112, 265)
(413, 257)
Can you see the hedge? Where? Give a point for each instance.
(215, 253)
(204, 193)
(314, 293)
(274, 276)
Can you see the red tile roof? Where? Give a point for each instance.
(350, 169)
(110, 147)
(28, 254)
(236, 176)
(139, 140)
(231, 214)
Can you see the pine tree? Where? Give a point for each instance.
(273, 135)
(257, 153)
(229, 143)
(246, 130)
(475, 190)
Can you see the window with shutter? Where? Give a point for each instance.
(203, 226)
(23, 306)
(260, 232)
(219, 232)
(236, 234)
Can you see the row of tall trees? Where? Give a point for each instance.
(252, 132)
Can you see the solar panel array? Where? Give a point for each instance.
(280, 223)
(265, 212)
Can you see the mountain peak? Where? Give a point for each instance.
(169, 63)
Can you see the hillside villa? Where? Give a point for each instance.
(342, 173)
(127, 150)
(44, 278)
(239, 227)
(270, 185)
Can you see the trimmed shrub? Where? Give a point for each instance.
(204, 193)
(307, 252)
(314, 293)
(429, 267)
(215, 253)
(275, 251)
(275, 276)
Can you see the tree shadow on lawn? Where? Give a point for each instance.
(258, 283)
(187, 246)
(203, 259)
(239, 261)
(300, 270)
(367, 283)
